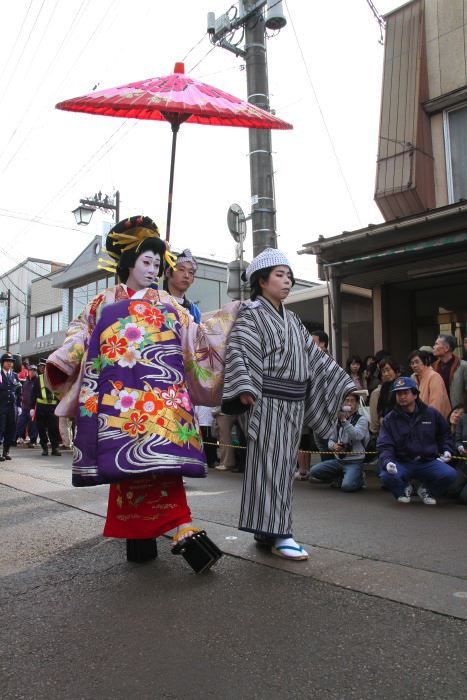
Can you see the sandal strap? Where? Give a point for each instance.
(283, 547)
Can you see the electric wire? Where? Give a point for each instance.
(58, 88)
(202, 59)
(194, 47)
(21, 216)
(10, 55)
(380, 19)
(339, 165)
(69, 31)
(22, 52)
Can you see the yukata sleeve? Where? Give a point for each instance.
(328, 385)
(85, 444)
(244, 364)
(204, 347)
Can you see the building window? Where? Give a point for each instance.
(14, 330)
(207, 294)
(49, 323)
(455, 128)
(82, 295)
(3, 336)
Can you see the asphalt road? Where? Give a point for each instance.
(78, 622)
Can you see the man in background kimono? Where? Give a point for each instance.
(178, 281)
(130, 369)
(278, 374)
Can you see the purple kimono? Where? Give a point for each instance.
(135, 414)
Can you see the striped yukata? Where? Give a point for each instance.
(271, 355)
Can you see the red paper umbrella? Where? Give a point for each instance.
(175, 98)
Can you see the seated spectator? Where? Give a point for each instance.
(410, 439)
(354, 368)
(432, 390)
(350, 435)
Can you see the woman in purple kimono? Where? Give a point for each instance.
(130, 369)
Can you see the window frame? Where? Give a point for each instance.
(447, 149)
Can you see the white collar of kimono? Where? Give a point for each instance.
(138, 295)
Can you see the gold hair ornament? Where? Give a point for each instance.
(109, 265)
(127, 241)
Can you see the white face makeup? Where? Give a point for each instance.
(145, 271)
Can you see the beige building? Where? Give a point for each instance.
(30, 322)
(414, 263)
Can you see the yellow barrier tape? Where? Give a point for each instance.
(311, 452)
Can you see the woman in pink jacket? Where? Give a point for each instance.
(431, 386)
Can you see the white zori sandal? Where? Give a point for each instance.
(287, 548)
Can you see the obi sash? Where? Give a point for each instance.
(285, 389)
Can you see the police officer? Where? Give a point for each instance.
(10, 403)
(44, 402)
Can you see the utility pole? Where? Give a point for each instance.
(263, 207)
(252, 19)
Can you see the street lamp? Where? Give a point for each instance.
(6, 296)
(83, 214)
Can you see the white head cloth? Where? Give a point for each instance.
(187, 257)
(269, 257)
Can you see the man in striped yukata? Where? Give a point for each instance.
(276, 373)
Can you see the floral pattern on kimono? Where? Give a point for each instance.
(135, 411)
(203, 348)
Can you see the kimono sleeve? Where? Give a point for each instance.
(204, 348)
(63, 365)
(85, 445)
(64, 368)
(328, 385)
(244, 364)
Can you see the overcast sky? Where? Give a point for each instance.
(324, 77)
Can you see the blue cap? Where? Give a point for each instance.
(405, 383)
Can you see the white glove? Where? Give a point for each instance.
(20, 410)
(31, 412)
(391, 468)
(446, 456)
(461, 449)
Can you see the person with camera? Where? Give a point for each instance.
(348, 442)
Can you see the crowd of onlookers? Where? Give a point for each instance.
(409, 422)
(406, 422)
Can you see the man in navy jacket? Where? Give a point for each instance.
(410, 439)
(10, 403)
